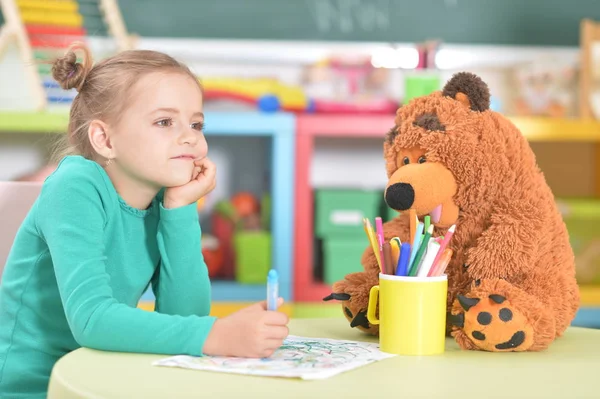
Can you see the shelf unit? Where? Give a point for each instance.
(278, 127)
(309, 127)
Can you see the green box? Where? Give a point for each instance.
(252, 256)
(340, 212)
(342, 256)
(420, 85)
(582, 218)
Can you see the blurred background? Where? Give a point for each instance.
(298, 97)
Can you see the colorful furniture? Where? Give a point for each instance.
(278, 128)
(567, 370)
(309, 127)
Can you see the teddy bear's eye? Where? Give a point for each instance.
(348, 312)
(421, 159)
(405, 160)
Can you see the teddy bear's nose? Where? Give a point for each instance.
(400, 196)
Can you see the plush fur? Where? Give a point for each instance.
(511, 280)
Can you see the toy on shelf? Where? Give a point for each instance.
(589, 83)
(546, 88)
(331, 86)
(247, 211)
(511, 279)
(223, 229)
(348, 85)
(43, 30)
(240, 243)
(213, 254)
(268, 95)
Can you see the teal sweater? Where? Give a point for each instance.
(77, 269)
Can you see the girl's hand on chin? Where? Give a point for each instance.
(203, 182)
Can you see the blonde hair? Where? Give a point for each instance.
(103, 89)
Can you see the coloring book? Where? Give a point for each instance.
(298, 357)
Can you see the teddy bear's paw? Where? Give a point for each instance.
(490, 323)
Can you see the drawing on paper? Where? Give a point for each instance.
(299, 357)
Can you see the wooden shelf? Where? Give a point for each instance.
(562, 130)
(590, 295)
(535, 129)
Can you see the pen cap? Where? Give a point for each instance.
(272, 277)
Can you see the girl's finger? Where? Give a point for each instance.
(201, 161)
(195, 173)
(210, 169)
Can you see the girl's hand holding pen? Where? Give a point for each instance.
(253, 332)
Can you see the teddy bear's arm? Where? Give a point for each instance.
(506, 248)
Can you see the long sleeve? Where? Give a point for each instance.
(181, 285)
(72, 218)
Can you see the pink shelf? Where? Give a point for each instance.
(306, 289)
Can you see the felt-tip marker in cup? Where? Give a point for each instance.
(272, 289)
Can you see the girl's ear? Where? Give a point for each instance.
(98, 136)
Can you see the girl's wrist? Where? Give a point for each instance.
(172, 204)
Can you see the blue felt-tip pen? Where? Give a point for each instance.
(272, 289)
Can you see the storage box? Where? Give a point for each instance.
(582, 218)
(252, 256)
(420, 85)
(341, 212)
(342, 256)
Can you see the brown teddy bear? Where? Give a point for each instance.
(511, 280)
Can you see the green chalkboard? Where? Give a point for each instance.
(504, 22)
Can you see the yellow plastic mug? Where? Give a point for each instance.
(412, 314)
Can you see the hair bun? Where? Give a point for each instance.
(68, 72)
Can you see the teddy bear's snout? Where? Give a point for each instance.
(400, 196)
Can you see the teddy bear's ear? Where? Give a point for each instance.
(391, 135)
(468, 89)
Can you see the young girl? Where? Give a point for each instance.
(116, 216)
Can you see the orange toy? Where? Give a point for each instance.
(245, 204)
(511, 281)
(213, 254)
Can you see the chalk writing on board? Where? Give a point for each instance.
(347, 16)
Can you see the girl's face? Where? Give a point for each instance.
(160, 133)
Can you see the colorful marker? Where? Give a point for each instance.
(373, 241)
(427, 222)
(272, 289)
(426, 265)
(424, 243)
(440, 268)
(396, 244)
(415, 244)
(443, 245)
(403, 260)
(380, 240)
